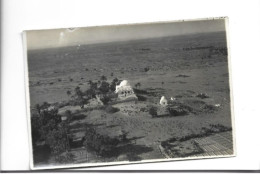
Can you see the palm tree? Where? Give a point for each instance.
(38, 108)
(94, 86)
(115, 80)
(90, 82)
(68, 92)
(103, 78)
(162, 84)
(78, 92)
(139, 84)
(113, 84)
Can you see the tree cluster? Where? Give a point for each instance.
(101, 88)
(47, 126)
(103, 145)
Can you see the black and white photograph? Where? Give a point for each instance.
(132, 93)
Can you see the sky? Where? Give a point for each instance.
(40, 39)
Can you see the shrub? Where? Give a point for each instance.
(146, 69)
(141, 98)
(153, 111)
(101, 144)
(202, 95)
(140, 91)
(78, 117)
(209, 108)
(105, 99)
(111, 109)
(177, 111)
(65, 158)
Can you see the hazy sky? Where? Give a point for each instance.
(37, 39)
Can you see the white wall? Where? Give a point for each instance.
(244, 21)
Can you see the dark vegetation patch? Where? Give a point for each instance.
(141, 97)
(41, 154)
(182, 108)
(101, 107)
(110, 109)
(182, 75)
(193, 106)
(61, 104)
(178, 96)
(105, 99)
(202, 95)
(208, 108)
(65, 158)
(78, 117)
(153, 111)
(103, 145)
(111, 126)
(108, 147)
(140, 91)
(83, 125)
(178, 111)
(181, 82)
(205, 131)
(146, 69)
(152, 92)
(175, 147)
(143, 109)
(47, 127)
(132, 151)
(182, 149)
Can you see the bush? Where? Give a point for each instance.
(105, 99)
(78, 117)
(101, 144)
(111, 109)
(153, 111)
(140, 91)
(177, 111)
(146, 69)
(141, 98)
(65, 158)
(209, 109)
(202, 95)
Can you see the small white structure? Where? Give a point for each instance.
(217, 105)
(64, 118)
(124, 90)
(163, 101)
(172, 99)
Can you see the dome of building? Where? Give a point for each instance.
(124, 83)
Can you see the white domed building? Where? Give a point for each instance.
(163, 101)
(124, 90)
